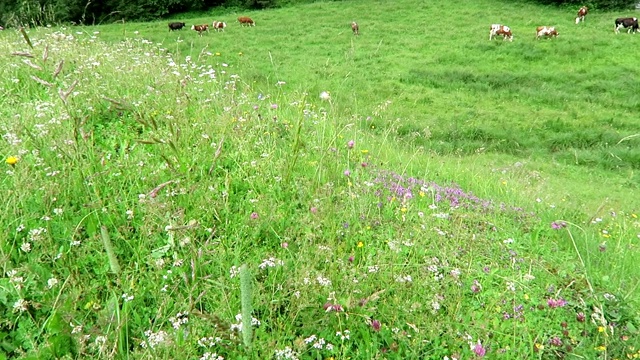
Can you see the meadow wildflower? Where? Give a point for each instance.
(286, 354)
(347, 172)
(254, 215)
(12, 160)
(21, 305)
(478, 349)
(476, 287)
(553, 303)
(375, 325)
(325, 95)
(274, 106)
(351, 144)
(555, 341)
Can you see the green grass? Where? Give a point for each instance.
(452, 194)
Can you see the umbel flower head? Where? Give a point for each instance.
(12, 160)
(325, 95)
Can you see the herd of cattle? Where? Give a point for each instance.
(243, 20)
(216, 25)
(630, 23)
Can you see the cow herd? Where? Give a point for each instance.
(630, 23)
(215, 25)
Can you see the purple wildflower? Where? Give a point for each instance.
(254, 215)
(553, 303)
(555, 341)
(375, 324)
(476, 287)
(479, 350)
(351, 144)
(347, 172)
(557, 225)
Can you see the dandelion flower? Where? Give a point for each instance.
(12, 160)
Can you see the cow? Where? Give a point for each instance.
(200, 28)
(355, 28)
(500, 30)
(581, 14)
(549, 31)
(630, 23)
(219, 25)
(176, 26)
(245, 20)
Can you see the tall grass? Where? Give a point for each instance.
(363, 237)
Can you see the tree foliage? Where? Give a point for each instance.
(45, 12)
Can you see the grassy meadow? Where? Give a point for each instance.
(415, 192)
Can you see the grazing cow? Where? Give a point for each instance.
(549, 31)
(200, 28)
(245, 20)
(176, 26)
(355, 28)
(581, 14)
(497, 30)
(219, 25)
(630, 23)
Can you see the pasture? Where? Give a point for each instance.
(413, 192)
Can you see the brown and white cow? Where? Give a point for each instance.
(200, 28)
(219, 25)
(500, 30)
(628, 23)
(548, 31)
(581, 14)
(245, 20)
(355, 28)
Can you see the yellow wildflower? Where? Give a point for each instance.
(12, 160)
(601, 348)
(360, 244)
